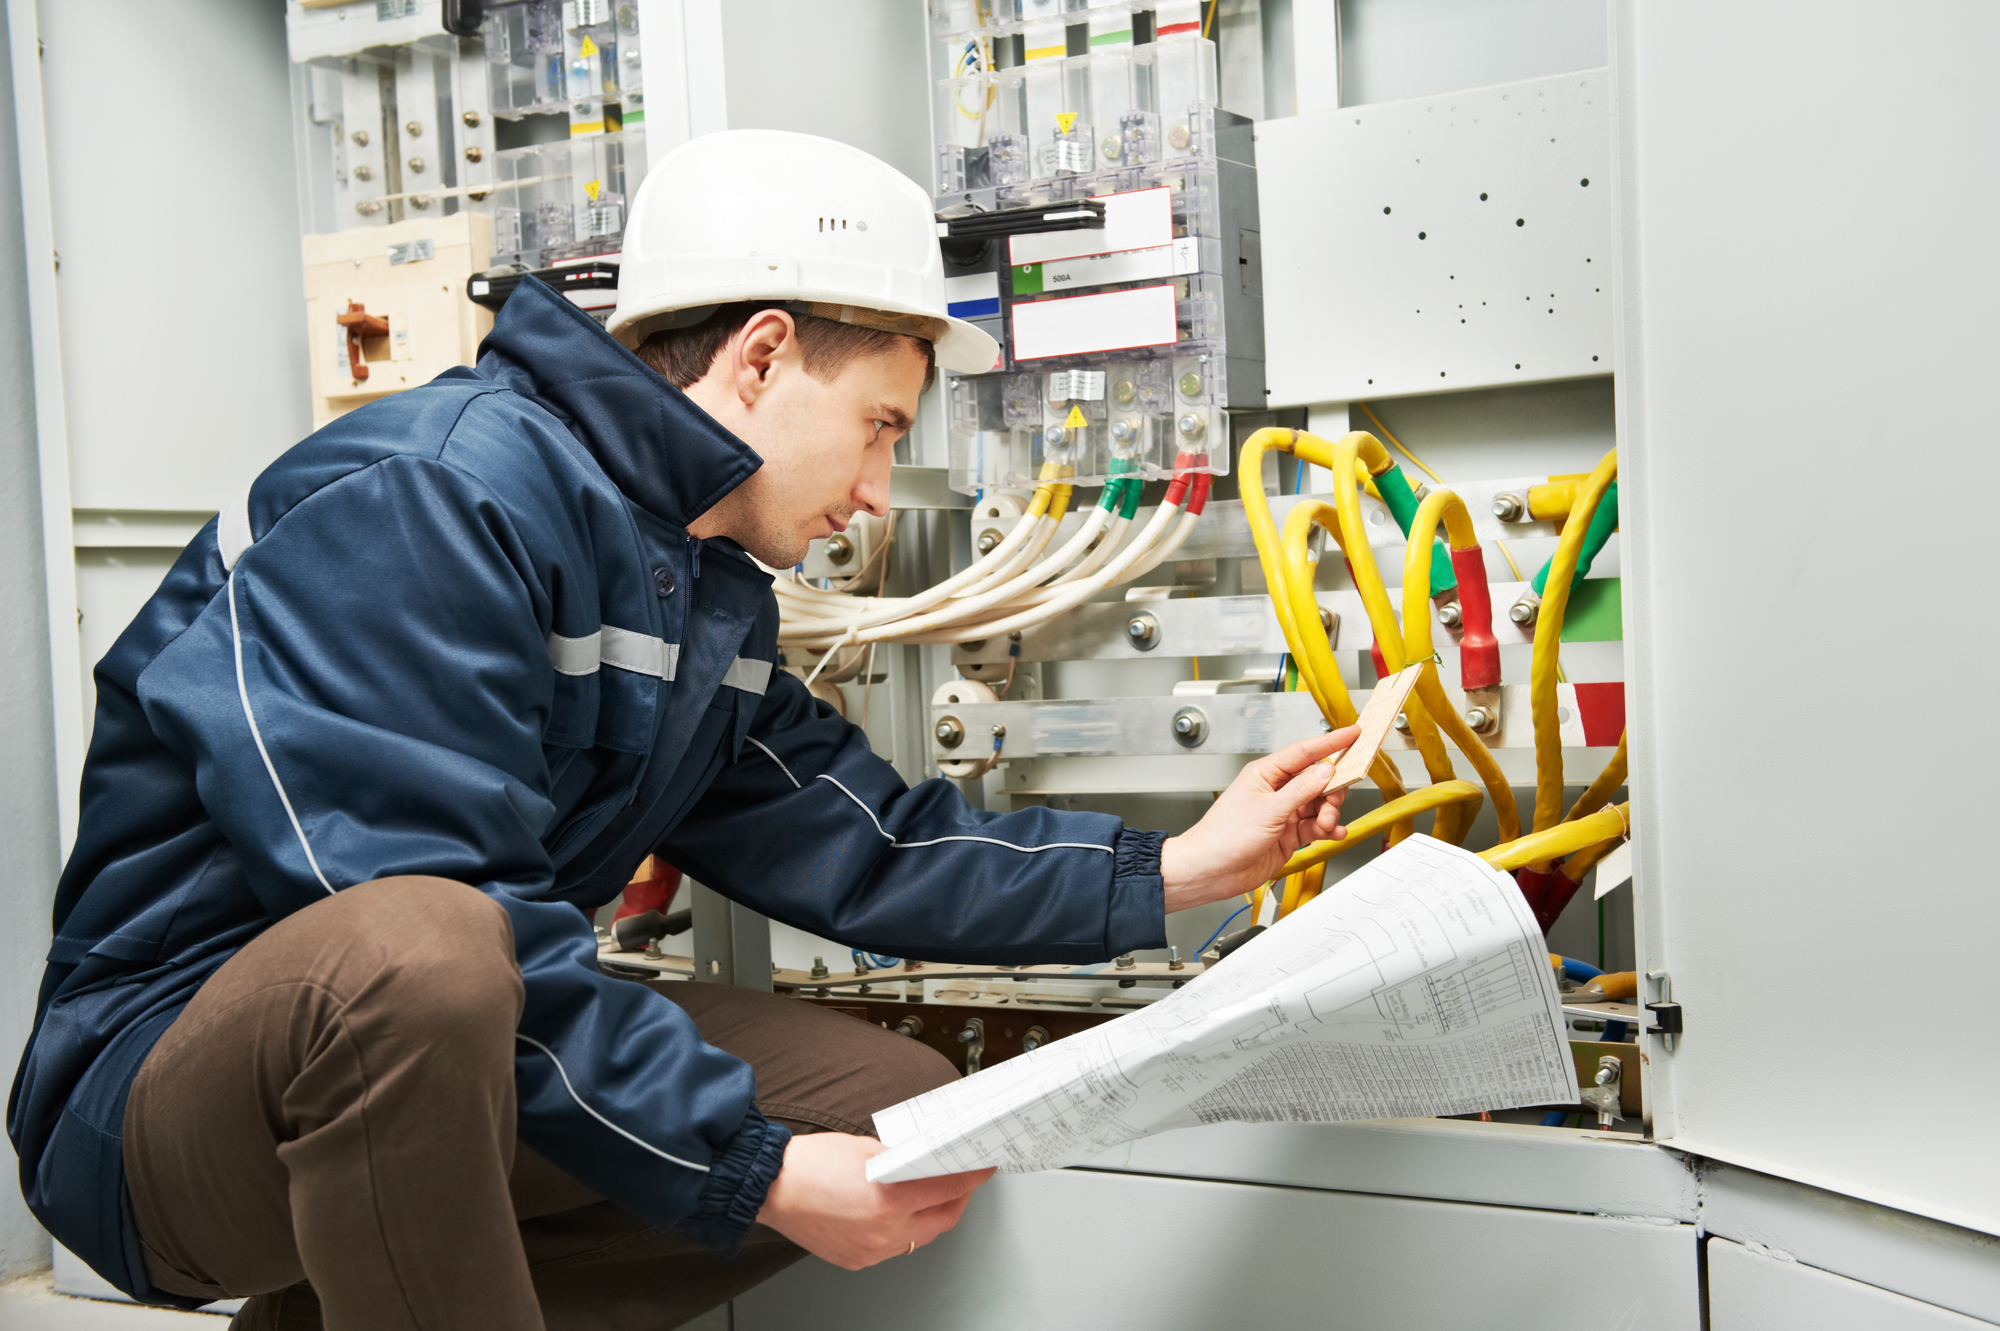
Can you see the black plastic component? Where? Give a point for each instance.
(462, 18)
(1070, 215)
(492, 287)
(1669, 1018)
(635, 931)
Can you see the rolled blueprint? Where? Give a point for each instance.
(1418, 985)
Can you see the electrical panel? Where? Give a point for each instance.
(1099, 217)
(440, 143)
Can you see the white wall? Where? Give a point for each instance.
(27, 771)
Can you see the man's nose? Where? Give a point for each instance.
(871, 489)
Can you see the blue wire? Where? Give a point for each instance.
(1555, 1118)
(1218, 930)
(875, 960)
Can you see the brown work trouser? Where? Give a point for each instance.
(336, 1105)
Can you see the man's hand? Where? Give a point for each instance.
(822, 1201)
(1274, 806)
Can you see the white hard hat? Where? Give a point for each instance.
(800, 221)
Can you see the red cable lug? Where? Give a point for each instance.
(1478, 649)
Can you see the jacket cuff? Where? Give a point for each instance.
(1138, 915)
(737, 1182)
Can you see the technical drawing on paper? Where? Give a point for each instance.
(1417, 986)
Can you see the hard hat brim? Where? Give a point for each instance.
(965, 348)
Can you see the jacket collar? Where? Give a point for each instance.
(665, 453)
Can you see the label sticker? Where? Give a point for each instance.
(1076, 420)
(1111, 321)
(1077, 386)
(974, 296)
(1096, 270)
(1065, 121)
(410, 251)
(588, 47)
(590, 188)
(1133, 220)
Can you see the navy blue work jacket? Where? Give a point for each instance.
(463, 632)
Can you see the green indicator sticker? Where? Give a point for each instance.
(1028, 279)
(1112, 38)
(1595, 612)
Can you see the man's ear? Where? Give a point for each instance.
(765, 343)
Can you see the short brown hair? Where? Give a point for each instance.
(684, 355)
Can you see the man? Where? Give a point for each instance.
(322, 1021)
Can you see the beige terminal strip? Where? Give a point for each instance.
(1375, 721)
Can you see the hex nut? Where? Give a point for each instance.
(1450, 615)
(1190, 727)
(1190, 384)
(950, 732)
(839, 548)
(1193, 425)
(1143, 631)
(414, 128)
(1478, 718)
(471, 119)
(360, 137)
(1522, 613)
(1509, 507)
(1403, 722)
(474, 154)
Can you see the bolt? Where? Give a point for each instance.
(416, 164)
(471, 119)
(1184, 725)
(1478, 718)
(1124, 430)
(473, 153)
(1174, 962)
(1143, 630)
(360, 137)
(968, 1035)
(1055, 436)
(1605, 1076)
(1522, 613)
(1035, 1038)
(368, 206)
(1193, 426)
(912, 1026)
(1419, 490)
(949, 732)
(414, 129)
(839, 548)
(1112, 148)
(1122, 392)
(1325, 620)
(1127, 962)
(1190, 727)
(987, 540)
(999, 731)
(1190, 384)
(819, 970)
(420, 201)
(1450, 615)
(1177, 136)
(1509, 507)
(364, 172)
(652, 949)
(1403, 722)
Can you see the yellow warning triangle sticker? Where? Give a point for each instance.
(1065, 121)
(591, 187)
(1075, 421)
(588, 48)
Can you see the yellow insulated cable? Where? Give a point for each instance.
(1602, 789)
(1298, 590)
(1548, 645)
(1329, 691)
(1560, 840)
(1400, 810)
(1417, 644)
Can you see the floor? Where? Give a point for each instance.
(31, 1304)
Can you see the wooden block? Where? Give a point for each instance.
(1377, 719)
